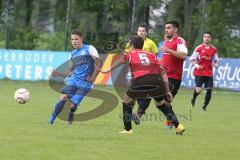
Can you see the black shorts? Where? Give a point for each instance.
(147, 86)
(175, 85)
(206, 80)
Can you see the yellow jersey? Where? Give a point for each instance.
(148, 46)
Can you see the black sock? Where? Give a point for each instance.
(207, 98)
(165, 114)
(143, 105)
(71, 114)
(195, 94)
(168, 112)
(127, 113)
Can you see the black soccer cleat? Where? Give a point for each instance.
(204, 108)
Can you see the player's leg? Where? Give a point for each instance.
(208, 85)
(163, 105)
(174, 86)
(72, 109)
(167, 111)
(142, 102)
(143, 105)
(67, 92)
(150, 81)
(199, 82)
(75, 101)
(128, 102)
(207, 99)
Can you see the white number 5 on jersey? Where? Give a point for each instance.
(144, 59)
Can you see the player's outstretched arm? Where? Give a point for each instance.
(193, 59)
(97, 63)
(97, 67)
(196, 65)
(116, 64)
(67, 73)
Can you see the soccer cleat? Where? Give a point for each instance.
(180, 129)
(204, 108)
(48, 122)
(69, 123)
(130, 132)
(193, 102)
(135, 118)
(168, 124)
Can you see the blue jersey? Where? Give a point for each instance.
(83, 63)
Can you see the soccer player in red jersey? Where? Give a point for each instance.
(205, 54)
(174, 52)
(148, 80)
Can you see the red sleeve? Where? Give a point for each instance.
(126, 57)
(182, 41)
(197, 50)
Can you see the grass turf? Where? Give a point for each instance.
(24, 133)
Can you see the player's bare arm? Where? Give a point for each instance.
(193, 59)
(178, 54)
(97, 67)
(116, 64)
(196, 65)
(66, 73)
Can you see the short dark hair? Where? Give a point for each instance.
(144, 26)
(174, 23)
(77, 32)
(137, 42)
(207, 32)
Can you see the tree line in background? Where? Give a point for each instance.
(43, 24)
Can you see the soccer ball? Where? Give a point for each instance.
(21, 95)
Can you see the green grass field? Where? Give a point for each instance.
(25, 135)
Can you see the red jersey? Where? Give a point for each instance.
(142, 63)
(172, 64)
(205, 56)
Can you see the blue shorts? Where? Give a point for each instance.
(76, 90)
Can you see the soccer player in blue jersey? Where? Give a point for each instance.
(84, 66)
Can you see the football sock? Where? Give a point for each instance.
(57, 109)
(71, 114)
(143, 105)
(207, 98)
(168, 112)
(195, 94)
(127, 112)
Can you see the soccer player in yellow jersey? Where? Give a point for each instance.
(151, 47)
(148, 45)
